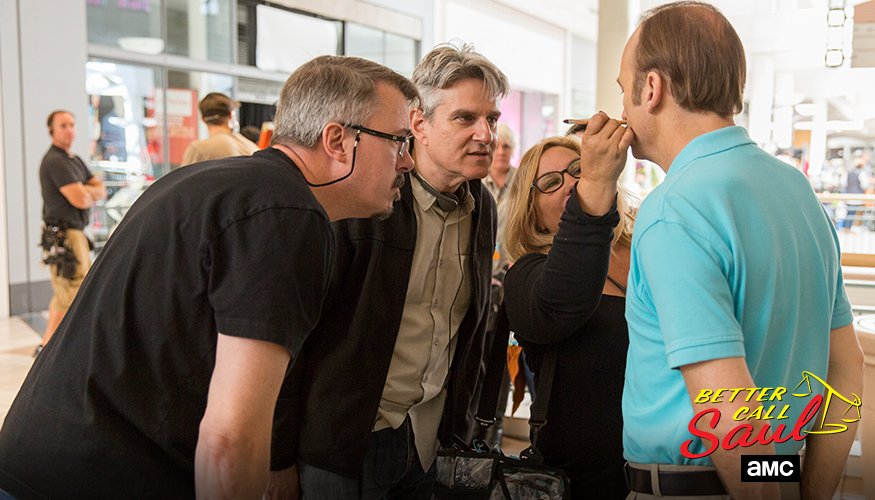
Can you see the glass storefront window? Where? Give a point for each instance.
(258, 100)
(139, 129)
(197, 29)
(285, 40)
(130, 24)
(395, 51)
(127, 139)
(362, 41)
(200, 30)
(123, 118)
(583, 77)
(401, 54)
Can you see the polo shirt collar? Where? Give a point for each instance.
(62, 151)
(708, 144)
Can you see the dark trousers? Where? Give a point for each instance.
(391, 471)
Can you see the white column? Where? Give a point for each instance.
(817, 151)
(197, 31)
(614, 30)
(35, 82)
(4, 238)
(761, 89)
(613, 33)
(782, 116)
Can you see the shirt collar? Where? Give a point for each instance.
(426, 200)
(708, 144)
(62, 151)
(508, 177)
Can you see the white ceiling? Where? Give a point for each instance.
(789, 34)
(577, 16)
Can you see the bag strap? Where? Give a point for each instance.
(496, 365)
(538, 410)
(617, 283)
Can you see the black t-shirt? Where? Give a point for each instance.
(59, 169)
(111, 407)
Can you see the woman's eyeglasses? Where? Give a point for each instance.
(551, 181)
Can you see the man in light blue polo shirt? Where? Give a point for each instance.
(735, 279)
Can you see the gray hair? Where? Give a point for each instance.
(328, 89)
(446, 65)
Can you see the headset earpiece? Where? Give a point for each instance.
(445, 201)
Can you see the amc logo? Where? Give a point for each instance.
(770, 468)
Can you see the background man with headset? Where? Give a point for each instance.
(69, 191)
(398, 363)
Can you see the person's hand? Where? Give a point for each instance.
(603, 151)
(284, 485)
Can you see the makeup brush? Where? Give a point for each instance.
(584, 121)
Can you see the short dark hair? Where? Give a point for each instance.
(694, 47)
(216, 108)
(51, 120)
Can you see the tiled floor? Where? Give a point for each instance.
(17, 342)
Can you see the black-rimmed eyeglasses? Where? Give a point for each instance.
(404, 141)
(403, 147)
(551, 181)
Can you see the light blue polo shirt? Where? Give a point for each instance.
(733, 255)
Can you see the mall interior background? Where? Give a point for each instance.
(133, 71)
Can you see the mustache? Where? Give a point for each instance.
(399, 181)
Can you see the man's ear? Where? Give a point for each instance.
(51, 131)
(332, 142)
(419, 126)
(654, 90)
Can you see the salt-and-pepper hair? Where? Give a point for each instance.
(327, 89)
(450, 63)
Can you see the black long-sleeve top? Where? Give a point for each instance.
(555, 301)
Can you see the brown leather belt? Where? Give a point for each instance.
(675, 483)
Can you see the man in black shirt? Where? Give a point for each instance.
(162, 381)
(69, 191)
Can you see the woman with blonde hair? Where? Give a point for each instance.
(566, 294)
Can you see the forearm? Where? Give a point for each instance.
(233, 449)
(549, 298)
(95, 191)
(230, 468)
(826, 454)
(596, 198)
(727, 372)
(728, 462)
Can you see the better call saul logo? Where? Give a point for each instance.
(770, 468)
(768, 404)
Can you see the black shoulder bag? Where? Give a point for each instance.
(479, 473)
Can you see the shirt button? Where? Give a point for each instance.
(436, 342)
(435, 303)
